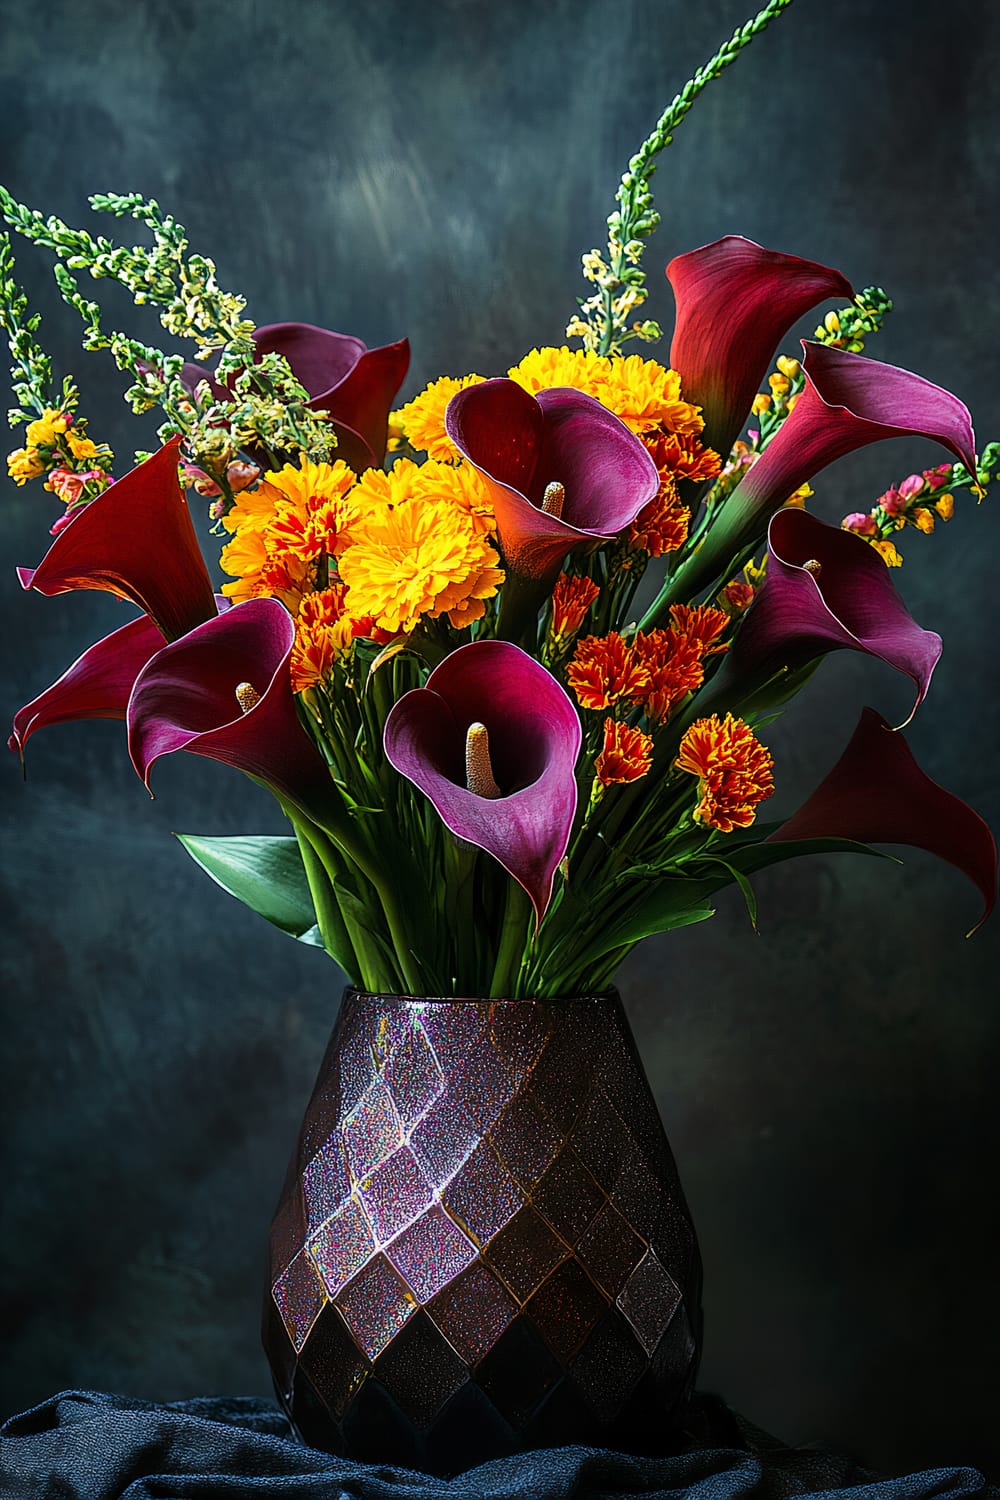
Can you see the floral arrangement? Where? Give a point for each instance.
(507, 654)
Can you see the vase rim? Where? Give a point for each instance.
(609, 997)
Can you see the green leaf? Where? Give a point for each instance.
(750, 858)
(669, 903)
(266, 874)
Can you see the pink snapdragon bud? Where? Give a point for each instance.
(911, 486)
(60, 522)
(67, 485)
(937, 478)
(858, 521)
(892, 502)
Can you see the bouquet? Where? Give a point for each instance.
(505, 654)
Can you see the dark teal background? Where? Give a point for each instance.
(829, 1085)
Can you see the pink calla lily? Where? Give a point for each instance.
(824, 590)
(355, 384)
(521, 444)
(735, 302)
(534, 738)
(877, 794)
(185, 698)
(136, 540)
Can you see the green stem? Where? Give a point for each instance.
(507, 968)
(330, 920)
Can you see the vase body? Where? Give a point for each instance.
(482, 1244)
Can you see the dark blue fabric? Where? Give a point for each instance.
(83, 1445)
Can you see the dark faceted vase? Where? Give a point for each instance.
(482, 1244)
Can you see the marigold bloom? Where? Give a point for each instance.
(418, 548)
(642, 393)
(322, 634)
(681, 454)
(733, 770)
(605, 670)
(738, 596)
(626, 754)
(702, 624)
(673, 665)
(662, 525)
(571, 599)
(422, 419)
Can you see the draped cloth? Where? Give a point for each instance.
(85, 1445)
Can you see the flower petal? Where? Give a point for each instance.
(848, 402)
(136, 540)
(735, 301)
(534, 738)
(849, 601)
(876, 793)
(185, 699)
(520, 443)
(96, 686)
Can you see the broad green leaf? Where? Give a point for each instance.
(264, 873)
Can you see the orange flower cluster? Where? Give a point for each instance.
(733, 770)
(654, 670)
(571, 599)
(662, 525)
(626, 755)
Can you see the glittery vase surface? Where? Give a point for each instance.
(482, 1244)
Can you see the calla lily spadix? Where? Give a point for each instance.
(562, 472)
(355, 384)
(735, 301)
(877, 794)
(825, 589)
(224, 691)
(533, 741)
(136, 540)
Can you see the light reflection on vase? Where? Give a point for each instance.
(482, 1244)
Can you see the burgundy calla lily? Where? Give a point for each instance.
(735, 302)
(356, 385)
(877, 794)
(96, 686)
(824, 590)
(523, 444)
(185, 698)
(136, 540)
(534, 739)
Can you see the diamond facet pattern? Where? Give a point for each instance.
(482, 1244)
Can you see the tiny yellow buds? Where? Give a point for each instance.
(831, 323)
(478, 767)
(780, 386)
(788, 366)
(24, 464)
(554, 499)
(888, 553)
(761, 403)
(247, 696)
(923, 520)
(792, 400)
(945, 506)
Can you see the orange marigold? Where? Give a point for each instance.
(571, 599)
(605, 670)
(322, 634)
(681, 454)
(673, 666)
(662, 525)
(701, 623)
(733, 770)
(422, 419)
(626, 754)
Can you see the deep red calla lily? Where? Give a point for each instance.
(96, 686)
(735, 302)
(534, 739)
(844, 599)
(520, 443)
(136, 540)
(877, 794)
(356, 385)
(185, 699)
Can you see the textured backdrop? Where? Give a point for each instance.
(435, 171)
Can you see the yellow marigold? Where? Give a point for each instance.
(286, 530)
(421, 420)
(733, 770)
(417, 549)
(641, 392)
(889, 553)
(626, 754)
(45, 430)
(24, 464)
